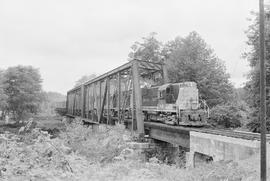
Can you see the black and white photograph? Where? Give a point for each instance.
(134, 90)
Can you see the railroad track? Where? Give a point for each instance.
(232, 133)
(221, 132)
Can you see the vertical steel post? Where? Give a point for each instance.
(88, 101)
(262, 93)
(108, 100)
(138, 98)
(82, 101)
(99, 102)
(119, 96)
(100, 95)
(102, 102)
(165, 73)
(132, 99)
(74, 103)
(95, 107)
(67, 103)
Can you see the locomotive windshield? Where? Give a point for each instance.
(169, 92)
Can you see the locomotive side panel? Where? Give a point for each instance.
(150, 97)
(188, 97)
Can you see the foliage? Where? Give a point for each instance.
(22, 85)
(252, 56)
(191, 59)
(3, 96)
(226, 116)
(99, 146)
(35, 156)
(50, 101)
(54, 96)
(84, 79)
(148, 50)
(252, 86)
(255, 125)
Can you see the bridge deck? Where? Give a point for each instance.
(214, 131)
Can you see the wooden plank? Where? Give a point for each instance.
(70, 115)
(89, 121)
(138, 99)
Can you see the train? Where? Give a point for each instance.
(170, 103)
(175, 103)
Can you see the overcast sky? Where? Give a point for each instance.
(67, 39)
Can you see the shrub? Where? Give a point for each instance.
(227, 116)
(255, 125)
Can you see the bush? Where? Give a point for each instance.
(226, 116)
(255, 125)
(100, 145)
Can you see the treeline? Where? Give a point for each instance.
(252, 87)
(50, 101)
(21, 93)
(190, 58)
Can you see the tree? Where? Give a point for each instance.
(50, 101)
(84, 79)
(149, 50)
(3, 96)
(191, 59)
(22, 85)
(252, 56)
(252, 86)
(226, 116)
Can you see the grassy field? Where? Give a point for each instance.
(80, 153)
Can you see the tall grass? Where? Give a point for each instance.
(82, 154)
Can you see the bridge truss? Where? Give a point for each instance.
(109, 97)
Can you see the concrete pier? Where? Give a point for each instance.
(221, 147)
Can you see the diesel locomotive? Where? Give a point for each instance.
(172, 103)
(111, 97)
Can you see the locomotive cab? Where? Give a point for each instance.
(167, 97)
(173, 103)
(178, 96)
(166, 93)
(181, 101)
